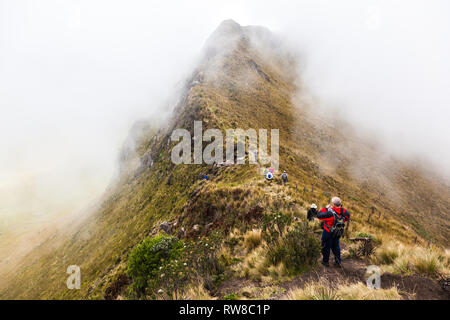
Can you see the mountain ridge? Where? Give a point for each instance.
(246, 81)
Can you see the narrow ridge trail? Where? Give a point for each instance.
(411, 287)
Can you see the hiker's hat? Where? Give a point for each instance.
(336, 201)
(314, 206)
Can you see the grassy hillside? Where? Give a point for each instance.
(245, 80)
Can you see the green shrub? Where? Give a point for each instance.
(148, 258)
(231, 296)
(367, 235)
(298, 250)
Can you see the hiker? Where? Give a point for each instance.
(284, 177)
(268, 173)
(312, 212)
(334, 218)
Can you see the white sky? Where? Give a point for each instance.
(74, 76)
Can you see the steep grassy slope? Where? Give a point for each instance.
(246, 80)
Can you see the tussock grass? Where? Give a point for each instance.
(254, 265)
(359, 291)
(197, 292)
(323, 290)
(320, 290)
(224, 254)
(427, 262)
(277, 272)
(399, 258)
(252, 239)
(388, 254)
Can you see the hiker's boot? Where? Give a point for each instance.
(326, 264)
(338, 264)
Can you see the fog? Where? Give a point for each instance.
(76, 75)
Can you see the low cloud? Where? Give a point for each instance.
(76, 75)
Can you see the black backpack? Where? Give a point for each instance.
(337, 230)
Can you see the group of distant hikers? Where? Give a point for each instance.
(335, 219)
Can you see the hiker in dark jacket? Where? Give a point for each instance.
(330, 241)
(312, 212)
(284, 177)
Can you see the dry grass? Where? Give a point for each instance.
(251, 250)
(254, 265)
(388, 254)
(359, 291)
(399, 258)
(252, 239)
(255, 292)
(197, 292)
(224, 254)
(276, 273)
(323, 290)
(320, 290)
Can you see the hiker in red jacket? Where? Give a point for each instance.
(334, 220)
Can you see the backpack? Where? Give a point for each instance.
(284, 176)
(337, 230)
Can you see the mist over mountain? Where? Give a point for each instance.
(76, 76)
(245, 77)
